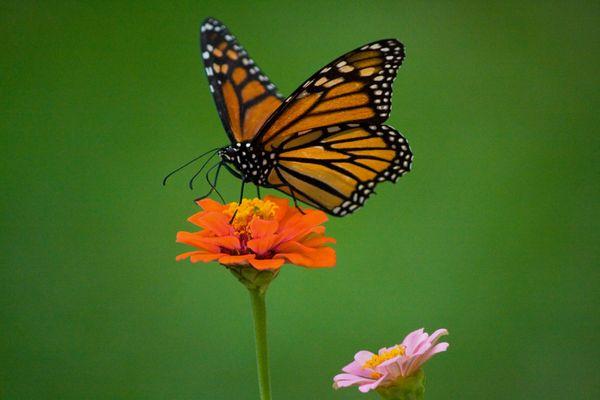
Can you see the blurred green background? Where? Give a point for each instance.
(493, 235)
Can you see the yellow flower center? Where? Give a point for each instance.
(377, 359)
(247, 210)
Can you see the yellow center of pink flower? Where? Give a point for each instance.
(376, 359)
(248, 210)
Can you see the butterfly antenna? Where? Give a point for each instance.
(186, 164)
(191, 183)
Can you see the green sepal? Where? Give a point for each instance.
(409, 388)
(252, 278)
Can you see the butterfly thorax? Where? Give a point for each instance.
(253, 164)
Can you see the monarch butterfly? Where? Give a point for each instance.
(325, 144)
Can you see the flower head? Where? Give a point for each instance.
(393, 364)
(263, 234)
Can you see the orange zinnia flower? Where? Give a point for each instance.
(263, 233)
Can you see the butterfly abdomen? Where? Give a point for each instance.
(253, 164)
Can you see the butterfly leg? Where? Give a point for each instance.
(233, 171)
(239, 202)
(213, 184)
(191, 183)
(296, 201)
(258, 191)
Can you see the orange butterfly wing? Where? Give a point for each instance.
(356, 87)
(336, 168)
(327, 141)
(330, 147)
(244, 96)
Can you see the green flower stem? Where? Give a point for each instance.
(257, 283)
(259, 311)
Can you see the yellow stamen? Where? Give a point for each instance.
(248, 210)
(377, 359)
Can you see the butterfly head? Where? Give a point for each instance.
(252, 164)
(228, 154)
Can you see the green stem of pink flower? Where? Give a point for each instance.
(259, 311)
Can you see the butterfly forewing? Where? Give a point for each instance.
(336, 168)
(356, 87)
(245, 97)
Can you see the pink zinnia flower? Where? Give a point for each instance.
(369, 371)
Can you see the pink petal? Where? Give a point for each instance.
(435, 336)
(418, 360)
(345, 380)
(412, 339)
(411, 365)
(363, 356)
(355, 368)
(438, 348)
(370, 386)
(423, 346)
(391, 367)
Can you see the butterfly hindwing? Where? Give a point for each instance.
(336, 168)
(354, 88)
(244, 96)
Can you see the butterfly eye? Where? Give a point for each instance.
(227, 154)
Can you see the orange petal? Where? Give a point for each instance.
(210, 205)
(205, 233)
(213, 221)
(291, 247)
(319, 229)
(260, 227)
(317, 241)
(236, 260)
(314, 217)
(183, 256)
(305, 256)
(212, 244)
(324, 257)
(227, 242)
(195, 217)
(264, 244)
(199, 256)
(205, 257)
(266, 264)
(326, 260)
(195, 240)
(301, 225)
(283, 206)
